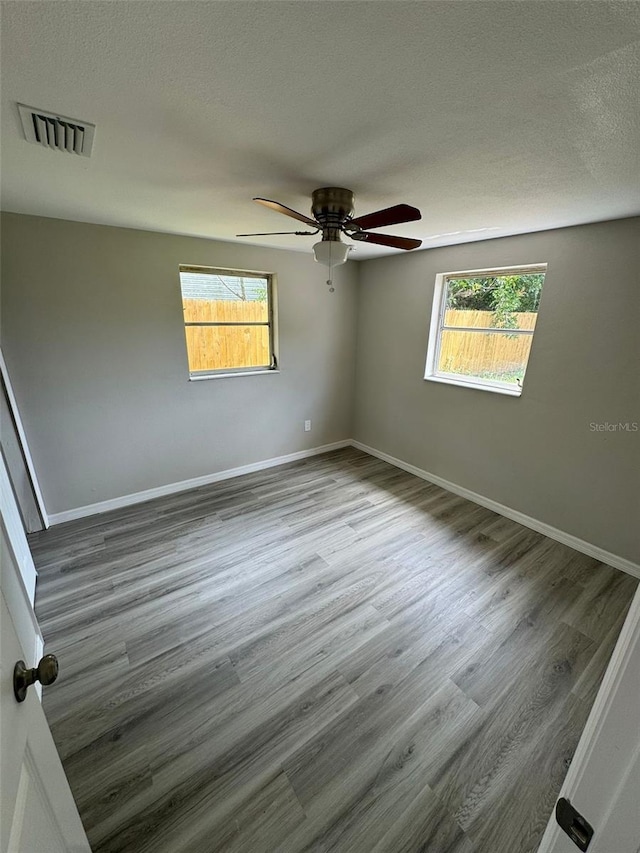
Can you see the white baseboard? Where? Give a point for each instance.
(171, 488)
(194, 483)
(540, 526)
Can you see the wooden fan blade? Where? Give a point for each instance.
(280, 208)
(387, 240)
(389, 216)
(268, 233)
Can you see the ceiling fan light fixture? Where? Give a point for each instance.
(331, 253)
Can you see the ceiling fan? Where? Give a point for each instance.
(332, 209)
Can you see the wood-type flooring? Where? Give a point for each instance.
(332, 655)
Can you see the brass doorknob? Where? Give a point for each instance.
(46, 673)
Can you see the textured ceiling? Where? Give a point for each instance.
(492, 117)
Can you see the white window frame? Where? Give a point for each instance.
(270, 278)
(437, 326)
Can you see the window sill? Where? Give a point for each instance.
(199, 378)
(495, 389)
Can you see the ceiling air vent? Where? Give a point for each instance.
(58, 132)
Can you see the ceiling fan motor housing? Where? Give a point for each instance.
(332, 207)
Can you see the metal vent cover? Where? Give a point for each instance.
(61, 133)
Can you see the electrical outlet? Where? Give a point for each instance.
(307, 426)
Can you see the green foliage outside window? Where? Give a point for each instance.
(503, 295)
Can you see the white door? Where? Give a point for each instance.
(37, 811)
(603, 782)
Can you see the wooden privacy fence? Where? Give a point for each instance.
(486, 354)
(222, 347)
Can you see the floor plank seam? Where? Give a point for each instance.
(333, 655)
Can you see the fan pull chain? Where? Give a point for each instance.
(330, 279)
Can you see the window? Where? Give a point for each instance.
(482, 327)
(228, 321)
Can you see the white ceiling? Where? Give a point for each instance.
(492, 117)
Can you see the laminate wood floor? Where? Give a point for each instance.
(333, 655)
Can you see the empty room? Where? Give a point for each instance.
(320, 426)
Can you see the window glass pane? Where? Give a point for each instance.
(490, 320)
(495, 302)
(225, 347)
(220, 298)
(484, 355)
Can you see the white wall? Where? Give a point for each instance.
(93, 338)
(536, 453)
